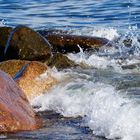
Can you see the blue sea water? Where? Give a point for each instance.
(101, 100)
(71, 13)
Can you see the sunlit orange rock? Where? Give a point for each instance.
(32, 83)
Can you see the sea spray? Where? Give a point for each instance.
(109, 33)
(106, 111)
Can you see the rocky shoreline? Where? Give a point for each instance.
(24, 55)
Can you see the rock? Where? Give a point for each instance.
(28, 78)
(4, 33)
(131, 66)
(65, 43)
(32, 83)
(16, 114)
(16, 66)
(25, 43)
(60, 61)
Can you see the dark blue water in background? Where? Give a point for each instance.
(70, 13)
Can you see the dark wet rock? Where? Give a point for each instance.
(25, 43)
(127, 42)
(65, 43)
(131, 66)
(4, 33)
(60, 61)
(16, 114)
(28, 78)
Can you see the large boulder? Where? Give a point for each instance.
(28, 75)
(65, 43)
(16, 114)
(24, 43)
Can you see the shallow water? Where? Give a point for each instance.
(101, 99)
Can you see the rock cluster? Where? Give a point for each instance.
(25, 55)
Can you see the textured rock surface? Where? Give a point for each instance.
(13, 66)
(28, 78)
(24, 43)
(70, 43)
(15, 112)
(60, 61)
(4, 33)
(32, 84)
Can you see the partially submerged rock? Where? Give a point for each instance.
(131, 66)
(60, 61)
(24, 43)
(65, 43)
(16, 114)
(29, 78)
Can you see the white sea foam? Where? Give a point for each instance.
(106, 111)
(104, 62)
(109, 33)
(93, 60)
(103, 108)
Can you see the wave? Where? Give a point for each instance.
(106, 111)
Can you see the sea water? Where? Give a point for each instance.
(100, 99)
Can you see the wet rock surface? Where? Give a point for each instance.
(24, 43)
(60, 61)
(4, 33)
(65, 43)
(15, 112)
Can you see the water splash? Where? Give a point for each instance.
(106, 111)
(109, 33)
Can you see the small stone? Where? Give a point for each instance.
(60, 61)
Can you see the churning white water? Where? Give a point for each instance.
(107, 110)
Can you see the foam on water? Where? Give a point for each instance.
(125, 49)
(104, 62)
(109, 33)
(106, 111)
